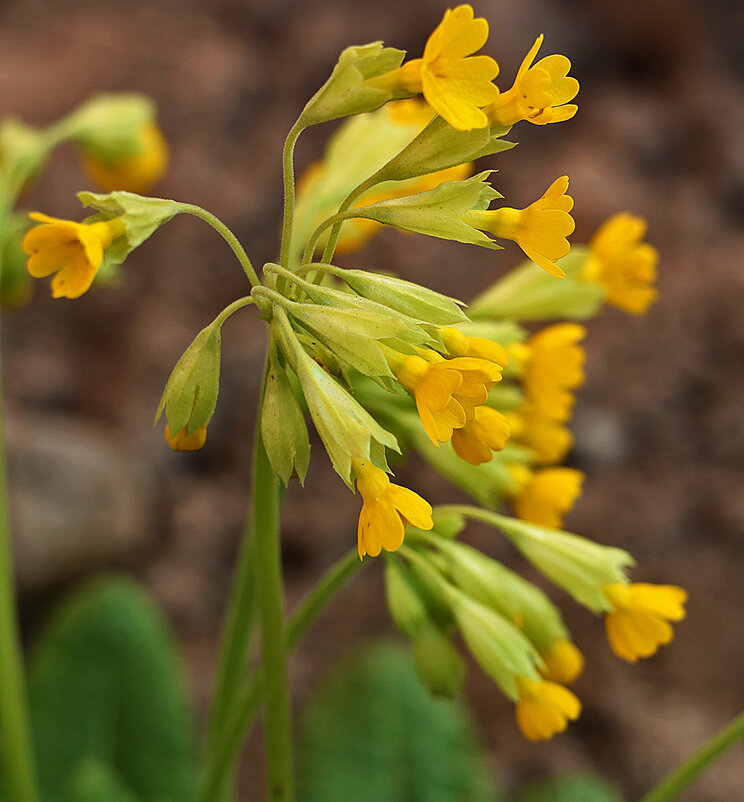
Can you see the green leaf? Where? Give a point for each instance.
(373, 734)
(106, 686)
(96, 782)
(578, 788)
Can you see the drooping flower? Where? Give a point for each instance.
(540, 94)
(564, 662)
(544, 708)
(622, 264)
(447, 391)
(74, 251)
(455, 83)
(639, 621)
(543, 497)
(459, 344)
(549, 440)
(386, 509)
(540, 230)
(183, 441)
(487, 432)
(137, 172)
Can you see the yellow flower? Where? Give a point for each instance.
(540, 93)
(549, 440)
(135, 173)
(459, 344)
(622, 264)
(564, 662)
(183, 441)
(476, 441)
(544, 497)
(544, 708)
(455, 83)
(639, 621)
(540, 230)
(386, 509)
(447, 391)
(554, 368)
(74, 251)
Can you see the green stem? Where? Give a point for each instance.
(675, 782)
(289, 191)
(232, 308)
(236, 730)
(227, 235)
(18, 763)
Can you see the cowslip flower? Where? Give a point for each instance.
(540, 94)
(639, 620)
(74, 251)
(564, 662)
(476, 441)
(543, 497)
(137, 172)
(459, 344)
(183, 441)
(386, 509)
(553, 369)
(447, 391)
(544, 708)
(455, 83)
(622, 264)
(548, 439)
(540, 230)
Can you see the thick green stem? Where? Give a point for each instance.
(227, 235)
(675, 782)
(236, 730)
(289, 191)
(15, 731)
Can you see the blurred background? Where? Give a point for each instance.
(659, 426)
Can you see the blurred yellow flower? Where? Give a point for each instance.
(544, 708)
(183, 441)
(487, 432)
(564, 662)
(549, 440)
(543, 497)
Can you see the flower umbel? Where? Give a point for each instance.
(74, 251)
(639, 621)
(540, 94)
(540, 230)
(386, 509)
(544, 708)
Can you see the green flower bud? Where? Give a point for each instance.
(438, 663)
(345, 92)
(406, 607)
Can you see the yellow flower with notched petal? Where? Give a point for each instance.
(137, 172)
(544, 708)
(447, 391)
(639, 621)
(454, 83)
(74, 251)
(543, 497)
(564, 662)
(386, 509)
(540, 93)
(183, 441)
(476, 441)
(622, 264)
(540, 230)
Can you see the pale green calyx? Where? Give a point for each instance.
(406, 607)
(345, 92)
(23, 151)
(438, 663)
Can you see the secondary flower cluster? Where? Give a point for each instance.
(382, 364)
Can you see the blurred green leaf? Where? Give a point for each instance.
(577, 788)
(106, 687)
(95, 782)
(372, 733)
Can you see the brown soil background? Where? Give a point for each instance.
(659, 423)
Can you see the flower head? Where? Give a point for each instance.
(540, 94)
(487, 432)
(455, 83)
(183, 441)
(136, 172)
(564, 662)
(639, 621)
(386, 509)
(540, 230)
(549, 439)
(74, 251)
(622, 264)
(544, 708)
(543, 497)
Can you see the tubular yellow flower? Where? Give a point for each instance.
(476, 441)
(74, 251)
(554, 368)
(550, 440)
(540, 93)
(544, 497)
(459, 344)
(447, 391)
(137, 172)
(455, 83)
(183, 441)
(540, 230)
(564, 662)
(544, 708)
(622, 264)
(639, 621)
(386, 509)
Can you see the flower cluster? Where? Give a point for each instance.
(380, 364)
